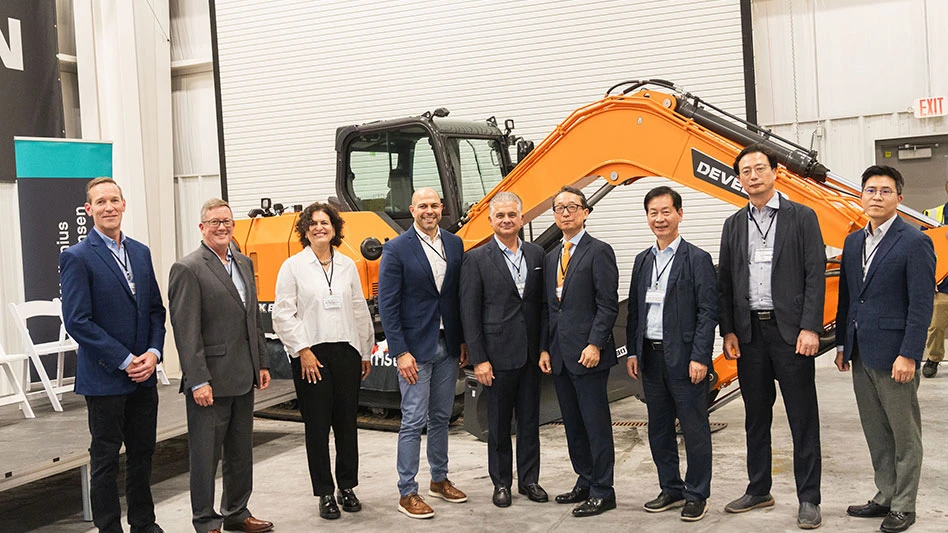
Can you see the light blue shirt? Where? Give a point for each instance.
(120, 254)
(515, 264)
(661, 270)
(761, 229)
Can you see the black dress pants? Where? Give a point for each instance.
(514, 390)
(764, 359)
(131, 419)
(584, 404)
(331, 402)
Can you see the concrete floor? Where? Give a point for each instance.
(282, 488)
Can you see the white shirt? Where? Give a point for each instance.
(515, 264)
(873, 238)
(437, 257)
(300, 318)
(654, 326)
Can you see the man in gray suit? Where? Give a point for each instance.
(214, 314)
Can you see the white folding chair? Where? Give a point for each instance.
(18, 395)
(45, 308)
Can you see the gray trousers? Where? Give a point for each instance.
(893, 427)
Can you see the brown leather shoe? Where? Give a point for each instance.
(250, 525)
(414, 506)
(446, 491)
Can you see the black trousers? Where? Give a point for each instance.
(131, 419)
(332, 403)
(514, 390)
(764, 359)
(584, 404)
(667, 397)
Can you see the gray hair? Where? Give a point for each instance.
(214, 203)
(505, 196)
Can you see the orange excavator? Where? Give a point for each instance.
(639, 129)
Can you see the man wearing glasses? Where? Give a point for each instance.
(886, 286)
(581, 282)
(216, 323)
(772, 286)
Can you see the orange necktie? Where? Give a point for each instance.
(564, 264)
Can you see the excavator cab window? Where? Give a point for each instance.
(477, 167)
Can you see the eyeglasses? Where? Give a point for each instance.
(871, 191)
(217, 222)
(759, 169)
(572, 208)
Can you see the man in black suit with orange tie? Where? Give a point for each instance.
(581, 282)
(502, 291)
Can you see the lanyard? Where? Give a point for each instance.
(867, 258)
(124, 264)
(332, 269)
(763, 236)
(442, 254)
(658, 275)
(517, 266)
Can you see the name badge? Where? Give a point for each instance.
(654, 296)
(332, 302)
(559, 292)
(764, 255)
(521, 285)
(131, 286)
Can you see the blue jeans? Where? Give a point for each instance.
(430, 400)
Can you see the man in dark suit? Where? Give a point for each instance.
(502, 291)
(771, 279)
(581, 282)
(886, 292)
(418, 303)
(112, 307)
(215, 319)
(673, 308)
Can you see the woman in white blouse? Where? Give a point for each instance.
(323, 321)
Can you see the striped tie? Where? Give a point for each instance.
(564, 264)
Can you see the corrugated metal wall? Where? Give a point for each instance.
(292, 71)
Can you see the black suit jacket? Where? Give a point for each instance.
(798, 272)
(499, 325)
(588, 309)
(690, 311)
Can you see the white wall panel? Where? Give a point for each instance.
(293, 71)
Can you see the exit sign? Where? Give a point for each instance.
(932, 106)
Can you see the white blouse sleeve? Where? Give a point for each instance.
(286, 320)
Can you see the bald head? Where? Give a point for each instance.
(425, 194)
(426, 210)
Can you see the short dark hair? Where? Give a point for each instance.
(756, 148)
(306, 220)
(99, 181)
(663, 190)
(884, 170)
(573, 190)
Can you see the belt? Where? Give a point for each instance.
(763, 315)
(656, 346)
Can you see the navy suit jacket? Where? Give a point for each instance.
(588, 309)
(105, 318)
(409, 302)
(499, 325)
(892, 308)
(690, 311)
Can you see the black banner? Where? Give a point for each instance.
(31, 101)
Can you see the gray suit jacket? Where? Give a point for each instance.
(219, 340)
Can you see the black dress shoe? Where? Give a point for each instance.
(895, 522)
(594, 506)
(870, 510)
(347, 499)
(577, 495)
(664, 502)
(534, 492)
(153, 528)
(501, 496)
(328, 508)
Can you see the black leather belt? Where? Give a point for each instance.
(656, 346)
(762, 315)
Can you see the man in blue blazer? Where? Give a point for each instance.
(421, 315)
(673, 309)
(886, 292)
(581, 281)
(112, 307)
(502, 291)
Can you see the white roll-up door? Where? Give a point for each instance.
(292, 71)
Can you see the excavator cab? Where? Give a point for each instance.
(381, 163)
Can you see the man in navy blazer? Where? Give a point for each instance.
(421, 315)
(886, 294)
(502, 291)
(673, 309)
(112, 307)
(581, 282)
